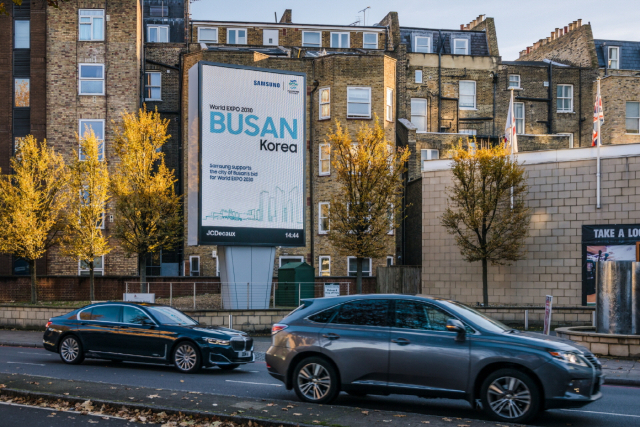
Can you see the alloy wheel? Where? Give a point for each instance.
(186, 357)
(509, 397)
(314, 381)
(69, 350)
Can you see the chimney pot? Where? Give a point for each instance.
(482, 17)
(579, 23)
(461, 27)
(553, 35)
(571, 26)
(528, 50)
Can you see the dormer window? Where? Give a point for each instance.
(422, 44)
(614, 57)
(460, 46)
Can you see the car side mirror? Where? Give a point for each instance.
(454, 325)
(148, 322)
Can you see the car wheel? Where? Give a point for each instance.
(71, 350)
(315, 380)
(511, 396)
(229, 367)
(186, 358)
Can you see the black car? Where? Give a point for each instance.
(137, 332)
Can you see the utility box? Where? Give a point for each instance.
(295, 282)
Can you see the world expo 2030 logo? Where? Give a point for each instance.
(293, 87)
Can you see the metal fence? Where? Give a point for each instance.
(233, 295)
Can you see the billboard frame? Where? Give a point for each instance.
(299, 242)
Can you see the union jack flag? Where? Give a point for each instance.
(598, 119)
(510, 134)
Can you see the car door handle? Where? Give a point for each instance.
(401, 341)
(331, 336)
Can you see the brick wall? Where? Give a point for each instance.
(576, 47)
(617, 88)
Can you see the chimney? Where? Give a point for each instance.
(286, 17)
(571, 26)
(528, 50)
(553, 35)
(579, 23)
(566, 30)
(461, 27)
(482, 18)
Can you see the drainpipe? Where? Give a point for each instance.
(311, 172)
(550, 112)
(440, 79)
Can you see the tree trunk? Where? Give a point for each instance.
(485, 285)
(359, 275)
(34, 289)
(92, 294)
(142, 272)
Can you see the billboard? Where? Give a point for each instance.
(252, 144)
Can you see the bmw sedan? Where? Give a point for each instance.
(121, 331)
(428, 347)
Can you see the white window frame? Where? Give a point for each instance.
(427, 154)
(389, 258)
(357, 116)
(92, 17)
(609, 49)
(516, 118)
(356, 271)
(201, 40)
(310, 44)
(389, 105)
(509, 81)
(81, 79)
(364, 45)
(95, 270)
(158, 28)
(320, 271)
(428, 44)
(300, 258)
(246, 35)
(191, 271)
(570, 135)
(468, 131)
(418, 76)
(146, 85)
(321, 160)
(321, 103)
(475, 95)
(426, 114)
(321, 230)
(631, 118)
(340, 34)
(570, 110)
(81, 131)
(466, 46)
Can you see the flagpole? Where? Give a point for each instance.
(513, 119)
(598, 143)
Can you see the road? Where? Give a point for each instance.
(618, 407)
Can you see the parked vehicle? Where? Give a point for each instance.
(145, 333)
(429, 347)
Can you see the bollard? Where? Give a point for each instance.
(231, 321)
(526, 320)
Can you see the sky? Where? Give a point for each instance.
(519, 23)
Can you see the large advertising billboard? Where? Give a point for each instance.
(252, 156)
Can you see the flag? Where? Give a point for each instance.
(598, 119)
(510, 136)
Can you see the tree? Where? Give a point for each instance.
(367, 206)
(32, 203)
(486, 211)
(89, 184)
(52, 3)
(148, 211)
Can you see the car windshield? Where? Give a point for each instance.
(478, 318)
(171, 316)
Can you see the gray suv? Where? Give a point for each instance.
(430, 347)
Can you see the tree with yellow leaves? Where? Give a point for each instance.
(89, 185)
(3, 7)
(148, 211)
(32, 203)
(367, 206)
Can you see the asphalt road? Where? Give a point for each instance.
(619, 405)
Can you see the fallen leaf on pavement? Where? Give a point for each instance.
(297, 414)
(425, 422)
(365, 412)
(153, 396)
(400, 416)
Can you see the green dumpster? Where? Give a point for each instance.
(295, 282)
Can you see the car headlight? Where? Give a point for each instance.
(216, 341)
(568, 357)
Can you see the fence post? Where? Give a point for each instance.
(231, 321)
(194, 295)
(526, 320)
(593, 319)
(170, 294)
(299, 293)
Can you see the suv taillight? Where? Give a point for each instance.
(48, 324)
(277, 328)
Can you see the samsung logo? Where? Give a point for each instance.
(268, 84)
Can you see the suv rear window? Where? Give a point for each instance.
(324, 316)
(367, 312)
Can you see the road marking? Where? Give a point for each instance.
(248, 382)
(25, 363)
(602, 413)
(27, 352)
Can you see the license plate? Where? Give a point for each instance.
(244, 354)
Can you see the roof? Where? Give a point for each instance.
(478, 45)
(376, 28)
(544, 63)
(629, 53)
(272, 51)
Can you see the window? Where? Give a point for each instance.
(91, 24)
(98, 267)
(207, 35)
(359, 102)
(158, 34)
(84, 129)
(153, 86)
(467, 95)
(419, 114)
(389, 109)
(518, 112)
(324, 264)
(22, 35)
(633, 117)
(270, 37)
(352, 265)
(468, 131)
(158, 10)
(614, 57)
(237, 36)
(22, 92)
(135, 316)
(106, 313)
(416, 315)
(514, 81)
(194, 266)
(323, 218)
(324, 168)
(418, 76)
(325, 103)
(429, 154)
(325, 315)
(366, 312)
(370, 40)
(422, 44)
(91, 81)
(340, 40)
(460, 46)
(564, 102)
(312, 38)
(389, 261)
(287, 259)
